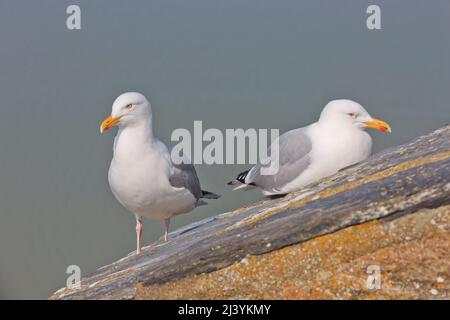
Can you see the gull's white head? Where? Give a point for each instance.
(350, 113)
(129, 108)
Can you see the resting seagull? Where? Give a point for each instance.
(305, 155)
(142, 176)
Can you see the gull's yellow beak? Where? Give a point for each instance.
(378, 124)
(109, 122)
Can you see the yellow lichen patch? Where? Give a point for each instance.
(411, 251)
(251, 219)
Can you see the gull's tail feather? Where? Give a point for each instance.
(240, 179)
(209, 195)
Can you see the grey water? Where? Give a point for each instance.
(231, 64)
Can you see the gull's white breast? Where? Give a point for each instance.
(140, 182)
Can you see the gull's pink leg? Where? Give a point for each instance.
(166, 229)
(138, 235)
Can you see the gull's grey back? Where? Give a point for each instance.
(294, 158)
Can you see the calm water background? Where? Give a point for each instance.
(231, 64)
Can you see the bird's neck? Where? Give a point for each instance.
(133, 140)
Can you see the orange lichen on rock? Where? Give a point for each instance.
(411, 252)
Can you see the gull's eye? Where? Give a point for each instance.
(352, 114)
(129, 106)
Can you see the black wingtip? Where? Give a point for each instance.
(209, 195)
(241, 176)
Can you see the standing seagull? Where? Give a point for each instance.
(142, 176)
(307, 154)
